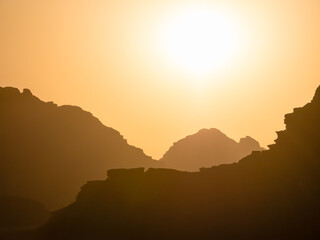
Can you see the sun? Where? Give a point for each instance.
(200, 39)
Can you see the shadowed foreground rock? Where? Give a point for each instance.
(273, 194)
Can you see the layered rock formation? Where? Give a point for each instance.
(272, 194)
(48, 152)
(207, 148)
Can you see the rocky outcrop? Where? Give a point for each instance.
(207, 148)
(273, 194)
(48, 152)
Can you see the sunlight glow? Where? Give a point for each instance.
(201, 39)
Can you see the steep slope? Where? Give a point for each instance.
(48, 152)
(206, 148)
(272, 194)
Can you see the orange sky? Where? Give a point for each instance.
(106, 56)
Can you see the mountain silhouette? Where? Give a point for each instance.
(206, 148)
(48, 152)
(273, 194)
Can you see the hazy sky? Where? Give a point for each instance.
(112, 59)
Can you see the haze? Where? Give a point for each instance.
(109, 58)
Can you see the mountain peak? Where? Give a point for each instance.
(27, 91)
(250, 142)
(206, 148)
(8, 91)
(209, 130)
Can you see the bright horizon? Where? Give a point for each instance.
(158, 71)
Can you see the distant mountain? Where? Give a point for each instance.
(21, 214)
(48, 152)
(206, 148)
(273, 194)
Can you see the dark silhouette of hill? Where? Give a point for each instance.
(273, 194)
(48, 152)
(207, 148)
(21, 214)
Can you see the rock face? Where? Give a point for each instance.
(206, 148)
(47, 152)
(273, 194)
